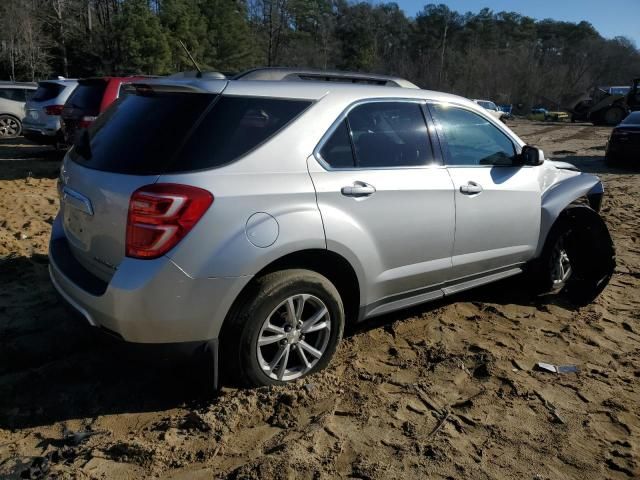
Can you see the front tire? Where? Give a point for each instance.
(578, 258)
(287, 325)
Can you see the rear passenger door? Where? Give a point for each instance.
(497, 200)
(386, 201)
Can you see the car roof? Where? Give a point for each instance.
(63, 82)
(128, 78)
(307, 90)
(29, 85)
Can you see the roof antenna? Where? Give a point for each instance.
(199, 75)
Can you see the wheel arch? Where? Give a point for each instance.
(337, 269)
(590, 250)
(582, 189)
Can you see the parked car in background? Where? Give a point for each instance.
(507, 110)
(13, 97)
(624, 141)
(262, 214)
(42, 122)
(91, 97)
(541, 113)
(491, 107)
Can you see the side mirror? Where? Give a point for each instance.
(531, 156)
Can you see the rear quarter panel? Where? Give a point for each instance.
(271, 179)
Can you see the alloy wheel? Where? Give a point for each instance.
(9, 127)
(560, 265)
(294, 337)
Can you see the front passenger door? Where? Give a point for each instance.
(497, 201)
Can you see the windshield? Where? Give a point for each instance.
(161, 132)
(88, 96)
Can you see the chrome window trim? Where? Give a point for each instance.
(419, 101)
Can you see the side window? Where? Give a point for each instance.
(389, 134)
(6, 93)
(337, 150)
(471, 139)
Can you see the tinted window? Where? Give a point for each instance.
(619, 90)
(233, 127)
(471, 139)
(140, 134)
(156, 133)
(47, 91)
(15, 94)
(337, 149)
(389, 134)
(88, 96)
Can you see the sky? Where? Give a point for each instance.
(610, 17)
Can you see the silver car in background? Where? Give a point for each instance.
(262, 215)
(42, 119)
(491, 108)
(13, 97)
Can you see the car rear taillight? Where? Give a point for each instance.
(53, 109)
(86, 121)
(160, 215)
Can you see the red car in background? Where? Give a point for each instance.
(90, 99)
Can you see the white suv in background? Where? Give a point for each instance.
(13, 97)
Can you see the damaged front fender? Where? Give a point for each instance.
(563, 193)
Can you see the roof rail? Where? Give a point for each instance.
(304, 74)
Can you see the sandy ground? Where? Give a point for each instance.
(446, 390)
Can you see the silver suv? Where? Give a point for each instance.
(42, 120)
(264, 215)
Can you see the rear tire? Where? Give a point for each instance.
(286, 326)
(578, 258)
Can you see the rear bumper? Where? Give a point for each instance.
(631, 151)
(41, 133)
(146, 301)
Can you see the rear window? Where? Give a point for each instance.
(88, 96)
(632, 118)
(15, 94)
(154, 133)
(47, 91)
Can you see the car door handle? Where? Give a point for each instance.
(358, 189)
(471, 188)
